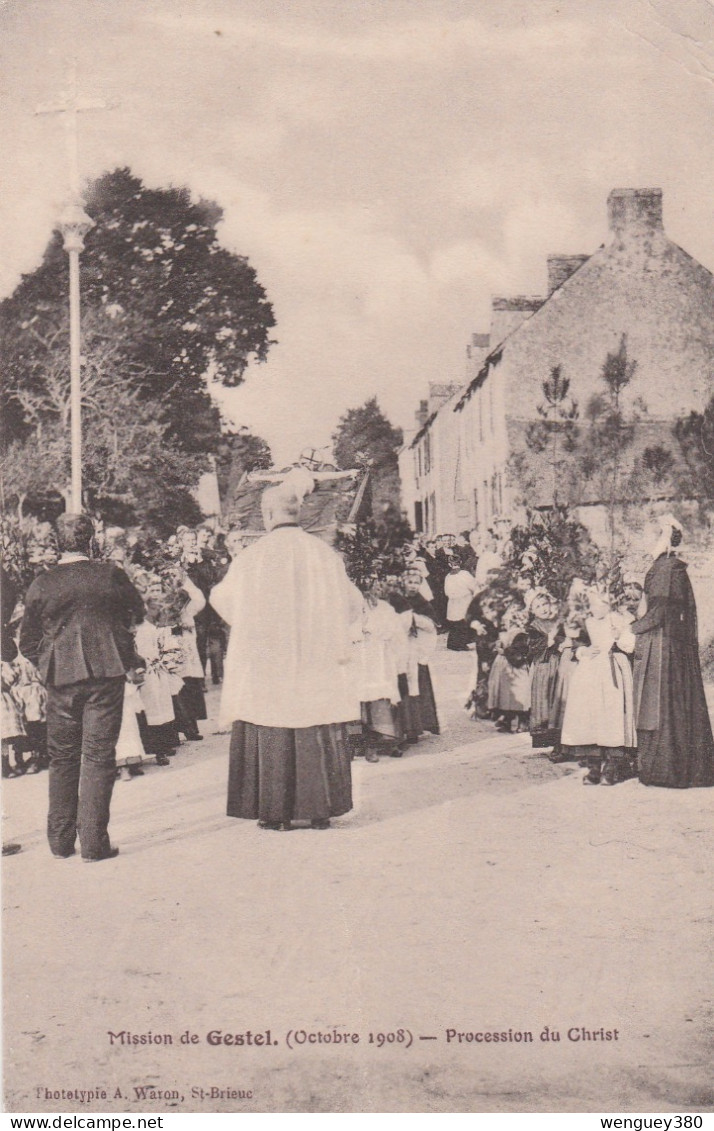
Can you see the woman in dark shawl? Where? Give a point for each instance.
(674, 734)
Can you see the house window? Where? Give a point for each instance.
(427, 454)
(418, 517)
(433, 512)
(426, 515)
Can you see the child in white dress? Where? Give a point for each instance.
(161, 657)
(599, 716)
(382, 654)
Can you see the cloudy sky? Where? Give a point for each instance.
(387, 165)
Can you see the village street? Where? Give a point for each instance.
(474, 889)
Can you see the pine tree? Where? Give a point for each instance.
(610, 436)
(556, 432)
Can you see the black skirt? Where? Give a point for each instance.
(418, 712)
(191, 697)
(289, 774)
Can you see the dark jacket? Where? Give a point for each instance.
(77, 622)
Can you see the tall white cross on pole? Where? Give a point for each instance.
(74, 224)
(70, 104)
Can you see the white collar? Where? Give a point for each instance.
(70, 556)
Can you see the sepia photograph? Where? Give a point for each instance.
(357, 533)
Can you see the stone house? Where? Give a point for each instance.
(458, 470)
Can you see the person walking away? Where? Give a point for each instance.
(76, 629)
(287, 690)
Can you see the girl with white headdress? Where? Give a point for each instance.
(674, 734)
(288, 688)
(598, 722)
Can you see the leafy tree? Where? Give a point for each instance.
(238, 452)
(556, 431)
(364, 436)
(174, 304)
(375, 546)
(133, 472)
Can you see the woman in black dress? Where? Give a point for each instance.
(674, 734)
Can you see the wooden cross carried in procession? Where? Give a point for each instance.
(74, 225)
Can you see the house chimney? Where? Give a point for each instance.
(561, 267)
(439, 394)
(636, 211)
(509, 313)
(476, 352)
(422, 414)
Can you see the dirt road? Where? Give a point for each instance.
(475, 889)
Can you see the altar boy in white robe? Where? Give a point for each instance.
(382, 655)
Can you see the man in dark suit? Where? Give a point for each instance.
(77, 631)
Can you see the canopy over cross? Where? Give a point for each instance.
(70, 104)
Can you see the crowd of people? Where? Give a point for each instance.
(608, 675)
(179, 642)
(316, 671)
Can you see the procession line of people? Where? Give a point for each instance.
(316, 671)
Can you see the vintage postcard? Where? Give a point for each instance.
(357, 480)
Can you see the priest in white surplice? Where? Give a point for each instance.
(288, 687)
